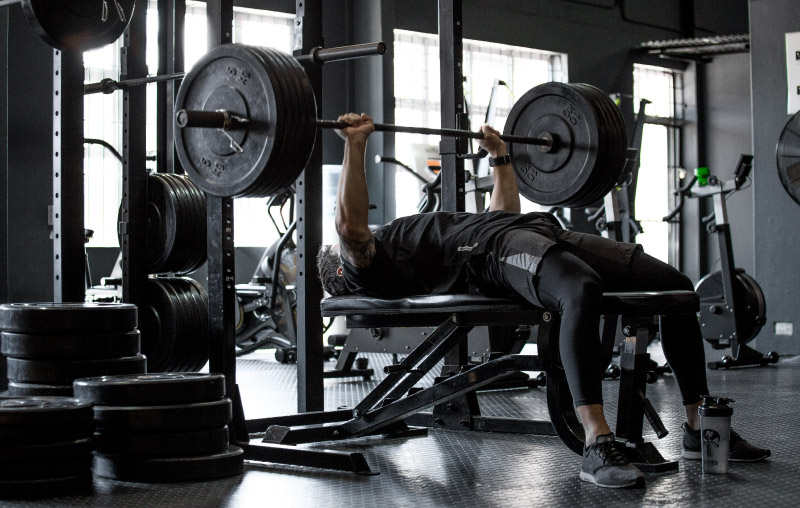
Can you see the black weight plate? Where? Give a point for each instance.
(200, 230)
(599, 184)
(751, 311)
(185, 332)
(185, 443)
(179, 469)
(174, 362)
(11, 469)
(190, 334)
(605, 174)
(39, 488)
(46, 451)
(305, 111)
(552, 177)
(77, 25)
(162, 228)
(233, 66)
(164, 418)
(615, 148)
(787, 155)
(45, 433)
(305, 117)
(274, 177)
(17, 389)
(67, 317)
(288, 169)
(184, 249)
(70, 346)
(157, 318)
(194, 233)
(63, 372)
(589, 192)
(53, 411)
(202, 339)
(159, 389)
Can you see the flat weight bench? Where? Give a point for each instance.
(395, 402)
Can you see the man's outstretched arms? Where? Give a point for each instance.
(356, 244)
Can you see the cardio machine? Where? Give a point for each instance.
(732, 305)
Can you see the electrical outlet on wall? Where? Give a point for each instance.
(793, 71)
(783, 328)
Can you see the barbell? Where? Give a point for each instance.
(247, 123)
(76, 25)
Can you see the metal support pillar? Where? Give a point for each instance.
(171, 22)
(308, 34)
(221, 264)
(452, 89)
(132, 227)
(67, 211)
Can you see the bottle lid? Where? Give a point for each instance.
(715, 406)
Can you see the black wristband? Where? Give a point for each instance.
(499, 161)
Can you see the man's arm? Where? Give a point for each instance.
(505, 195)
(356, 243)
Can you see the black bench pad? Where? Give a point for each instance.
(631, 304)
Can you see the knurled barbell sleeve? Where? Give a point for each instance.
(319, 56)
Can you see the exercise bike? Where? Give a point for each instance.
(732, 305)
(266, 307)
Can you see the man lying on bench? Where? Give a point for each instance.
(505, 253)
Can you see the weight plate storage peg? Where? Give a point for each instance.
(67, 317)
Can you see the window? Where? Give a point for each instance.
(664, 88)
(103, 118)
(417, 95)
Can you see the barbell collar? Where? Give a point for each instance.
(319, 55)
(220, 119)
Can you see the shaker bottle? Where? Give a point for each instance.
(715, 432)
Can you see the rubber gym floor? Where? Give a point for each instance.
(466, 469)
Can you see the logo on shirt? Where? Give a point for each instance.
(467, 248)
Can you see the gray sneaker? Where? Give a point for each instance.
(740, 449)
(606, 465)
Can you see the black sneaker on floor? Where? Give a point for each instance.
(740, 450)
(606, 465)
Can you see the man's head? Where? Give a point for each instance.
(329, 266)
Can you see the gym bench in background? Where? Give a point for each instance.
(395, 403)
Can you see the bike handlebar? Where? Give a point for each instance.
(682, 192)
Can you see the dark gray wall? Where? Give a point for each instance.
(729, 134)
(775, 215)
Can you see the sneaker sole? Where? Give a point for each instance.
(587, 477)
(755, 459)
(690, 455)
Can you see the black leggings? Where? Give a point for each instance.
(573, 286)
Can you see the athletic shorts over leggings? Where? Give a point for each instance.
(570, 278)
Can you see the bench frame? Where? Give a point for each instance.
(395, 402)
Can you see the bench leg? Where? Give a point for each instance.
(633, 405)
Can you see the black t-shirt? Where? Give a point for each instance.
(437, 252)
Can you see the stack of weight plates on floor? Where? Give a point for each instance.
(49, 345)
(45, 446)
(168, 427)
